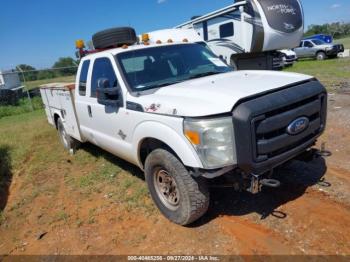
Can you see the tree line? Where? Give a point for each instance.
(68, 64)
(336, 30)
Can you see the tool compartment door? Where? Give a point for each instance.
(68, 112)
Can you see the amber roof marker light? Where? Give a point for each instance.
(79, 44)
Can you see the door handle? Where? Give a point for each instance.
(89, 111)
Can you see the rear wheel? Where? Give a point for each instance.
(180, 197)
(321, 56)
(67, 141)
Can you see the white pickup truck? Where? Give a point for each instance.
(183, 116)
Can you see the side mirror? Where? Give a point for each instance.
(107, 95)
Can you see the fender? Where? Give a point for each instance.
(179, 144)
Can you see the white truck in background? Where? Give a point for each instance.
(184, 117)
(289, 57)
(247, 33)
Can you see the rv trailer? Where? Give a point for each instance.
(247, 33)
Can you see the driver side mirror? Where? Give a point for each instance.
(107, 95)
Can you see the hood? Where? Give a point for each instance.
(288, 52)
(213, 95)
(325, 46)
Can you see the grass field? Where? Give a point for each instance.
(23, 106)
(32, 151)
(332, 72)
(34, 84)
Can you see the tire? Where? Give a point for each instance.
(67, 141)
(321, 56)
(181, 198)
(114, 37)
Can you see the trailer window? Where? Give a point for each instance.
(102, 69)
(226, 30)
(83, 77)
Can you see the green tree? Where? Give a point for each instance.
(28, 72)
(337, 30)
(46, 74)
(69, 65)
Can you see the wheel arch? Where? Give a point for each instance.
(146, 139)
(320, 51)
(56, 116)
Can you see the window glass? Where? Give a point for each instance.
(83, 77)
(102, 69)
(308, 44)
(226, 30)
(135, 64)
(318, 42)
(161, 66)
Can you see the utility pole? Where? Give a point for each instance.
(25, 86)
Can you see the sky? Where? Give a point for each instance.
(38, 32)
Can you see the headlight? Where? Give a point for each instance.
(329, 48)
(213, 140)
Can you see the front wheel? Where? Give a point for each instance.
(180, 197)
(321, 56)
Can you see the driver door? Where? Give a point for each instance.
(106, 121)
(309, 49)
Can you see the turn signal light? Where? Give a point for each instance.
(193, 136)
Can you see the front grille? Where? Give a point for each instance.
(260, 125)
(339, 48)
(290, 57)
(270, 136)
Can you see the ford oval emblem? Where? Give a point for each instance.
(298, 125)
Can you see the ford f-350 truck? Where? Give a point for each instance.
(184, 117)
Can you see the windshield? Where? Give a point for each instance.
(318, 42)
(160, 66)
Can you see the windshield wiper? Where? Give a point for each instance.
(164, 84)
(204, 74)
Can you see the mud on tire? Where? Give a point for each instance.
(192, 196)
(114, 37)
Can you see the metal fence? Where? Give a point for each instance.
(18, 84)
